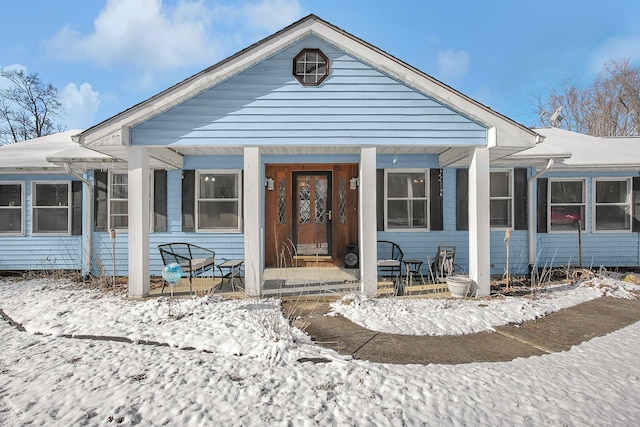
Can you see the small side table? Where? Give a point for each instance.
(412, 268)
(234, 267)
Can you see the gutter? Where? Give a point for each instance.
(532, 209)
(88, 246)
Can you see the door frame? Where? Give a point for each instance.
(295, 211)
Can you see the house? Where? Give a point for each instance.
(310, 107)
(314, 142)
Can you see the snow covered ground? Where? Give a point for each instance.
(243, 367)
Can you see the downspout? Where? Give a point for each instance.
(88, 219)
(532, 209)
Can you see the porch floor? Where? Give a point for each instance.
(299, 281)
(201, 286)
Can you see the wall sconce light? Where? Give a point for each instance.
(269, 183)
(353, 183)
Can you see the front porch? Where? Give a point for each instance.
(303, 282)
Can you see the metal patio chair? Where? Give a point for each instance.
(443, 263)
(193, 259)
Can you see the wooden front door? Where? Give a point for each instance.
(312, 213)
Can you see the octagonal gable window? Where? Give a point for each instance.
(310, 67)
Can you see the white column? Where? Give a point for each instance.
(138, 222)
(367, 233)
(252, 213)
(479, 225)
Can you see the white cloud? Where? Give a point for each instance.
(150, 37)
(4, 83)
(452, 64)
(614, 49)
(80, 105)
(18, 67)
(141, 35)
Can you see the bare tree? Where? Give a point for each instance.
(28, 107)
(609, 107)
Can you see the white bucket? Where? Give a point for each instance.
(459, 286)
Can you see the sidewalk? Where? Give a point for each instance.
(554, 333)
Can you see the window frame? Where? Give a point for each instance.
(300, 78)
(510, 198)
(427, 197)
(238, 199)
(110, 199)
(22, 209)
(68, 208)
(550, 204)
(628, 203)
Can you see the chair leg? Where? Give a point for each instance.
(190, 284)
(399, 286)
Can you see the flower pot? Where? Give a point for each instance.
(459, 286)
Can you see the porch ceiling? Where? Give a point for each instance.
(171, 158)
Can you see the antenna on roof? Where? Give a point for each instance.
(555, 119)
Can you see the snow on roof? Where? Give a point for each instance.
(587, 152)
(32, 155)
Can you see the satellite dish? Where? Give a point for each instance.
(556, 118)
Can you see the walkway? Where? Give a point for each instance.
(556, 332)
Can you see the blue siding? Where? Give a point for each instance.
(226, 245)
(355, 105)
(29, 252)
(423, 244)
(609, 249)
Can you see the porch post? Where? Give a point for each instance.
(138, 221)
(479, 221)
(367, 222)
(253, 209)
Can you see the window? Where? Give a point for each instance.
(11, 208)
(218, 201)
(119, 200)
(310, 67)
(566, 205)
(501, 198)
(612, 204)
(406, 200)
(51, 209)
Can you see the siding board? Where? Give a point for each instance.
(357, 104)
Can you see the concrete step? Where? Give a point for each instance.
(311, 289)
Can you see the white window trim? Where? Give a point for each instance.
(427, 176)
(549, 204)
(68, 208)
(151, 200)
(629, 203)
(238, 174)
(510, 197)
(22, 208)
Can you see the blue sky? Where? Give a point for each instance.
(106, 56)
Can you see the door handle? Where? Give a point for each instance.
(329, 214)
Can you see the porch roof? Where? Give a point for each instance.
(113, 135)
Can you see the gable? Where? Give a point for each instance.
(355, 105)
(501, 135)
